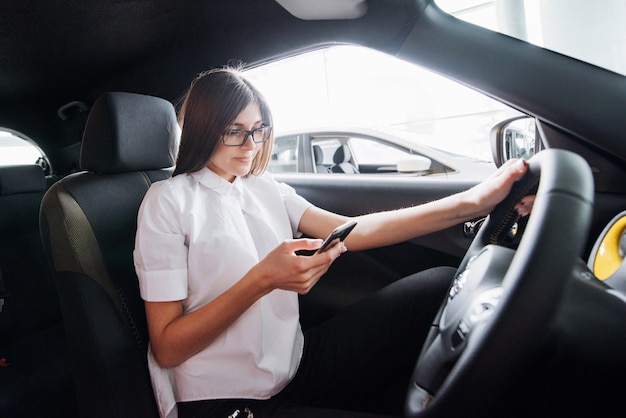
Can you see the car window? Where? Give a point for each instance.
(368, 151)
(328, 146)
(15, 150)
(346, 86)
(284, 155)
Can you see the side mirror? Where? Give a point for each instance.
(514, 138)
(413, 164)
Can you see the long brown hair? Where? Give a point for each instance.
(211, 104)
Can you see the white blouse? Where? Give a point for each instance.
(197, 235)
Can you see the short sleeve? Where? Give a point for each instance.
(295, 204)
(160, 253)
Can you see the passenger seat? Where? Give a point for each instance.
(318, 156)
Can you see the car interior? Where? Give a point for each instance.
(342, 161)
(31, 323)
(129, 142)
(318, 158)
(533, 324)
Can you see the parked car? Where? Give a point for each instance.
(358, 150)
(532, 325)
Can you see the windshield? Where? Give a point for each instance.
(346, 86)
(590, 31)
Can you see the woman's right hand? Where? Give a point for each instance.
(175, 336)
(283, 269)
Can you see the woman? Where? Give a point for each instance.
(217, 265)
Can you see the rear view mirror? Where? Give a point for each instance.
(514, 138)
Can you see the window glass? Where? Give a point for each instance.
(328, 146)
(586, 30)
(345, 86)
(16, 150)
(284, 155)
(368, 151)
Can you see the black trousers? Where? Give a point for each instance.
(356, 364)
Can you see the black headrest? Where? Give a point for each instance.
(341, 155)
(16, 179)
(129, 132)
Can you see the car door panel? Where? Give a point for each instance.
(355, 275)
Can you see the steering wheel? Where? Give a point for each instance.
(488, 326)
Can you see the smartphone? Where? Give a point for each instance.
(340, 233)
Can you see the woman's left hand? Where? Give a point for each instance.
(496, 187)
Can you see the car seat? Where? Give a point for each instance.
(342, 161)
(33, 369)
(31, 301)
(88, 223)
(318, 156)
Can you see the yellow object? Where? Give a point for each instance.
(608, 257)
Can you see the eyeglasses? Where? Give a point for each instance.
(238, 137)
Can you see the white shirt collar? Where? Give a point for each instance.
(211, 180)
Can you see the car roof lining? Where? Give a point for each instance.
(76, 50)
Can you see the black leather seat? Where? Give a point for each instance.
(342, 161)
(88, 222)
